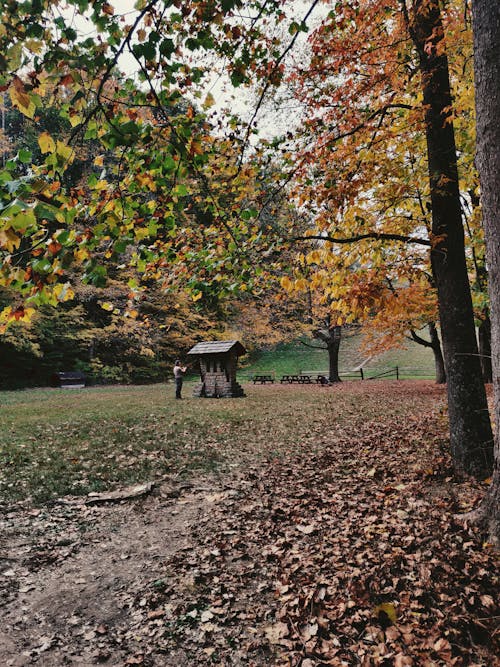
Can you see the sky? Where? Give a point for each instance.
(272, 118)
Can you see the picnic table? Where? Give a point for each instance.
(304, 378)
(263, 379)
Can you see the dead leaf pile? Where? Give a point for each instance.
(345, 551)
(345, 557)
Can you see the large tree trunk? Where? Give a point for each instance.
(331, 336)
(333, 354)
(485, 348)
(486, 16)
(470, 428)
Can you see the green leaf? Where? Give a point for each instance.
(180, 190)
(24, 220)
(24, 156)
(167, 47)
(42, 266)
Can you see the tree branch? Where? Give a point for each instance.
(268, 81)
(421, 341)
(375, 236)
(316, 347)
(110, 67)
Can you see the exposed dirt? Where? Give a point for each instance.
(346, 553)
(75, 573)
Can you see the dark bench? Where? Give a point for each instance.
(68, 380)
(263, 379)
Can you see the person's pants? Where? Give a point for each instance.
(178, 387)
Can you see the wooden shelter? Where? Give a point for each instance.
(218, 360)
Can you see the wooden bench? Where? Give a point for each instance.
(68, 380)
(263, 379)
(320, 377)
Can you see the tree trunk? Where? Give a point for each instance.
(333, 354)
(470, 428)
(486, 20)
(485, 348)
(438, 354)
(331, 336)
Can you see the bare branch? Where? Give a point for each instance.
(268, 81)
(418, 339)
(375, 236)
(316, 347)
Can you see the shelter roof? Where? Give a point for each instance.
(218, 347)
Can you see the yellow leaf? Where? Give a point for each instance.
(388, 609)
(286, 283)
(63, 292)
(9, 239)
(141, 233)
(209, 101)
(22, 101)
(5, 314)
(81, 254)
(20, 314)
(197, 296)
(107, 306)
(314, 257)
(75, 119)
(65, 152)
(146, 180)
(46, 143)
(34, 45)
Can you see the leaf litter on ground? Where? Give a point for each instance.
(327, 537)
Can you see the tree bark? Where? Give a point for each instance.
(435, 345)
(438, 354)
(470, 428)
(333, 354)
(485, 348)
(486, 23)
(331, 336)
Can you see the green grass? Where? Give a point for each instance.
(414, 361)
(68, 442)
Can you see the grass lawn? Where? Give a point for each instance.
(55, 442)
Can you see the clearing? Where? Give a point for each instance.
(305, 526)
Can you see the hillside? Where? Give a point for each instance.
(413, 361)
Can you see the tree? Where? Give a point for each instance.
(486, 17)
(470, 428)
(362, 104)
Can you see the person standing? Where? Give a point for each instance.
(178, 377)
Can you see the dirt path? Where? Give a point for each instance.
(72, 577)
